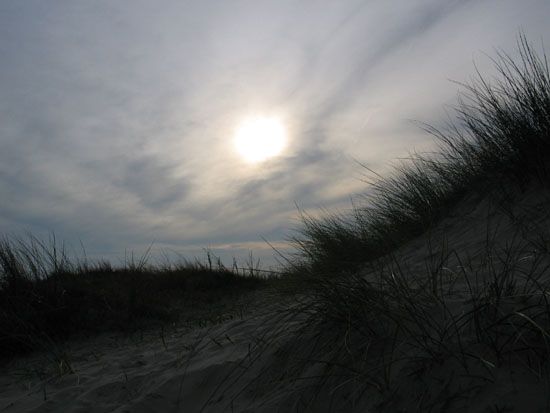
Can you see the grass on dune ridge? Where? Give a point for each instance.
(502, 135)
(433, 334)
(45, 296)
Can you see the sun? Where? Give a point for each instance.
(260, 138)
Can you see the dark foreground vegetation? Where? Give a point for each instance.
(45, 296)
(431, 330)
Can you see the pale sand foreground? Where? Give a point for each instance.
(190, 371)
(243, 365)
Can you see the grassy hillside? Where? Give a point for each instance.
(45, 296)
(435, 290)
(502, 138)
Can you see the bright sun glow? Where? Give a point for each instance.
(258, 139)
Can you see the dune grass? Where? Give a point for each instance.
(457, 319)
(502, 136)
(421, 339)
(45, 296)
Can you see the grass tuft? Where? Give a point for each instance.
(46, 297)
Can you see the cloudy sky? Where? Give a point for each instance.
(118, 118)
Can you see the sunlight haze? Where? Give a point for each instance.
(260, 138)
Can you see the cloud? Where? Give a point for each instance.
(116, 119)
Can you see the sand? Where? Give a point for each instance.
(255, 362)
(181, 370)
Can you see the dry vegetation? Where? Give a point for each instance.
(45, 296)
(429, 325)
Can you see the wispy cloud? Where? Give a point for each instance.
(116, 119)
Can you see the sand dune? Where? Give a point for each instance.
(184, 371)
(256, 362)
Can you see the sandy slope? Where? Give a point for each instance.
(480, 238)
(243, 364)
(188, 371)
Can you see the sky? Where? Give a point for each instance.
(118, 117)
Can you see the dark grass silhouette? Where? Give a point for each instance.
(45, 296)
(502, 136)
(430, 337)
